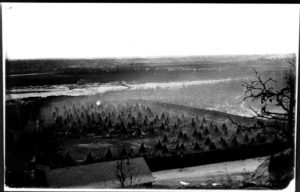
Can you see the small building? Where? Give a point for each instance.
(101, 175)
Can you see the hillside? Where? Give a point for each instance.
(113, 64)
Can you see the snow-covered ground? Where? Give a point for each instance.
(200, 175)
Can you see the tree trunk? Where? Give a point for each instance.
(291, 124)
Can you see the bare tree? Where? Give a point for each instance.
(277, 99)
(127, 173)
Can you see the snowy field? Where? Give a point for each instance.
(206, 174)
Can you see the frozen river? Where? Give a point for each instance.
(96, 88)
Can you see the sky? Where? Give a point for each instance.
(147, 30)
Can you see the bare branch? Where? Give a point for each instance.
(291, 60)
(239, 126)
(234, 122)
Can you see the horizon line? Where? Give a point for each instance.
(150, 57)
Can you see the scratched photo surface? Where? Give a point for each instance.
(150, 96)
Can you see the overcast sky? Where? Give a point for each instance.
(129, 30)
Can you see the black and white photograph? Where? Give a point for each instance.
(149, 96)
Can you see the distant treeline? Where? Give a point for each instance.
(46, 65)
(69, 71)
